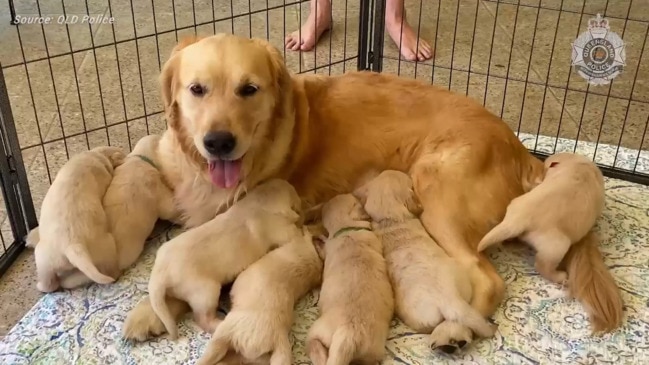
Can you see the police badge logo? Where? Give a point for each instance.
(598, 54)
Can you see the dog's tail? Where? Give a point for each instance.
(215, 351)
(157, 297)
(32, 238)
(78, 256)
(343, 346)
(591, 283)
(503, 231)
(458, 310)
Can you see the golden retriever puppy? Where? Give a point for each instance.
(73, 230)
(356, 299)
(194, 265)
(556, 214)
(557, 218)
(236, 114)
(432, 290)
(263, 298)
(136, 198)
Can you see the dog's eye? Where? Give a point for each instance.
(197, 90)
(248, 90)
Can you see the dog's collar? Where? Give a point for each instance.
(349, 229)
(147, 160)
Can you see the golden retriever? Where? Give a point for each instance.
(323, 133)
(73, 231)
(432, 290)
(194, 265)
(557, 214)
(356, 299)
(263, 299)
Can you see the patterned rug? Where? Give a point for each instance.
(537, 323)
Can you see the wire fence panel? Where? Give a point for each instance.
(515, 57)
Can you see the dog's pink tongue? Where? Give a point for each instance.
(225, 174)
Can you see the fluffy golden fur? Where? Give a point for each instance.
(136, 198)
(263, 298)
(73, 232)
(194, 265)
(324, 133)
(557, 214)
(356, 300)
(432, 290)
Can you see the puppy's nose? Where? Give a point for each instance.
(219, 143)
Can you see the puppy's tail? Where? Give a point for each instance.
(503, 231)
(343, 346)
(32, 238)
(78, 256)
(114, 154)
(591, 283)
(216, 350)
(157, 297)
(459, 311)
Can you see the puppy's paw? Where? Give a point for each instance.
(47, 287)
(449, 337)
(142, 323)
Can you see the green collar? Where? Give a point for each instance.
(349, 229)
(147, 160)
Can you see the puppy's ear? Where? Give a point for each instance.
(313, 214)
(319, 244)
(361, 194)
(413, 204)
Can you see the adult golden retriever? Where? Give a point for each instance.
(236, 117)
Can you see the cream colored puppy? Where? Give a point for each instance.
(263, 299)
(193, 266)
(73, 230)
(557, 213)
(356, 300)
(137, 197)
(432, 290)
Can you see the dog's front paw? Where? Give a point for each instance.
(449, 337)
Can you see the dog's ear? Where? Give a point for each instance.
(169, 80)
(277, 64)
(413, 204)
(184, 42)
(168, 85)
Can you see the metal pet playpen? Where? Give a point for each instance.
(79, 74)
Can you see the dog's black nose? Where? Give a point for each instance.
(219, 143)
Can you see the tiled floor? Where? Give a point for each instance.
(94, 77)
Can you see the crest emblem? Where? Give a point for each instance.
(598, 54)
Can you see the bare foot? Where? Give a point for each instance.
(318, 22)
(407, 38)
